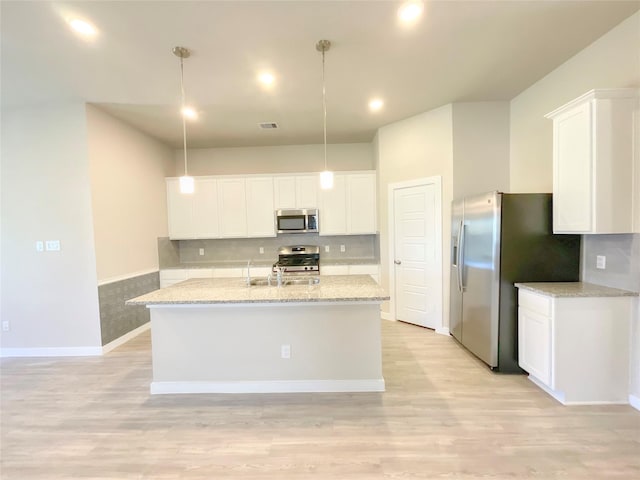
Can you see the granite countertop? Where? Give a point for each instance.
(332, 288)
(574, 289)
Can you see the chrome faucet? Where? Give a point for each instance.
(278, 270)
(249, 273)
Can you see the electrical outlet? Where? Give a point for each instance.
(326, 249)
(342, 248)
(601, 262)
(285, 351)
(52, 245)
(201, 251)
(261, 250)
(5, 326)
(39, 246)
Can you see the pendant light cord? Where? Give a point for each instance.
(184, 121)
(324, 109)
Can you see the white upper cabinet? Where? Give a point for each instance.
(296, 191)
(232, 205)
(349, 208)
(593, 163)
(361, 203)
(307, 191)
(260, 208)
(241, 207)
(333, 207)
(193, 215)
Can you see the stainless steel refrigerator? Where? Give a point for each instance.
(499, 239)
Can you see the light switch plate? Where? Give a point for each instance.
(261, 250)
(326, 249)
(201, 251)
(601, 262)
(285, 351)
(342, 248)
(39, 246)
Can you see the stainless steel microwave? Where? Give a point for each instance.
(297, 221)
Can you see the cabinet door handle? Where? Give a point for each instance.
(397, 262)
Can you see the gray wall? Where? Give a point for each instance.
(118, 319)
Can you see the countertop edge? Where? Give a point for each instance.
(574, 290)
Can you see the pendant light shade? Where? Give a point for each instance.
(187, 184)
(326, 177)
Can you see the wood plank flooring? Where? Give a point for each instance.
(444, 416)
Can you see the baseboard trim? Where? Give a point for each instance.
(275, 386)
(443, 331)
(125, 338)
(51, 352)
(387, 316)
(634, 402)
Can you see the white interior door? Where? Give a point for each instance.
(417, 264)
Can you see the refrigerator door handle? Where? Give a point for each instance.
(461, 257)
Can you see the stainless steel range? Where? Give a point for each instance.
(299, 259)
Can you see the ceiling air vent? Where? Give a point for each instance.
(268, 125)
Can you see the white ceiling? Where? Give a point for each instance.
(458, 51)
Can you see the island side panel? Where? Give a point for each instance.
(237, 348)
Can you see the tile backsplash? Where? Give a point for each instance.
(622, 254)
(184, 253)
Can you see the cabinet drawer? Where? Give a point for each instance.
(534, 302)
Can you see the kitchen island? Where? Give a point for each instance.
(218, 335)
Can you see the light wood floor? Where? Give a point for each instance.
(444, 415)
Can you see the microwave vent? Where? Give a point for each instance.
(268, 125)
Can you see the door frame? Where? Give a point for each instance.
(437, 182)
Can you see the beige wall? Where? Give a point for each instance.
(49, 298)
(610, 62)
(613, 61)
(417, 147)
(282, 159)
(128, 193)
(480, 148)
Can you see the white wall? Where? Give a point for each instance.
(610, 62)
(480, 148)
(613, 61)
(417, 147)
(128, 170)
(281, 159)
(49, 298)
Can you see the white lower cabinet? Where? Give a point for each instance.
(576, 348)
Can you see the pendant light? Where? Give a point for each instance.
(187, 184)
(326, 177)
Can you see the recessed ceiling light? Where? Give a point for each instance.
(83, 27)
(410, 11)
(266, 78)
(190, 113)
(375, 104)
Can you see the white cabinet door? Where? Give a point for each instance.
(593, 163)
(307, 191)
(205, 208)
(260, 208)
(534, 344)
(284, 192)
(361, 203)
(333, 209)
(232, 206)
(573, 171)
(179, 211)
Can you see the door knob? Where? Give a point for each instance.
(397, 262)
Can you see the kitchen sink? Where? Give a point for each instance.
(302, 281)
(258, 282)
